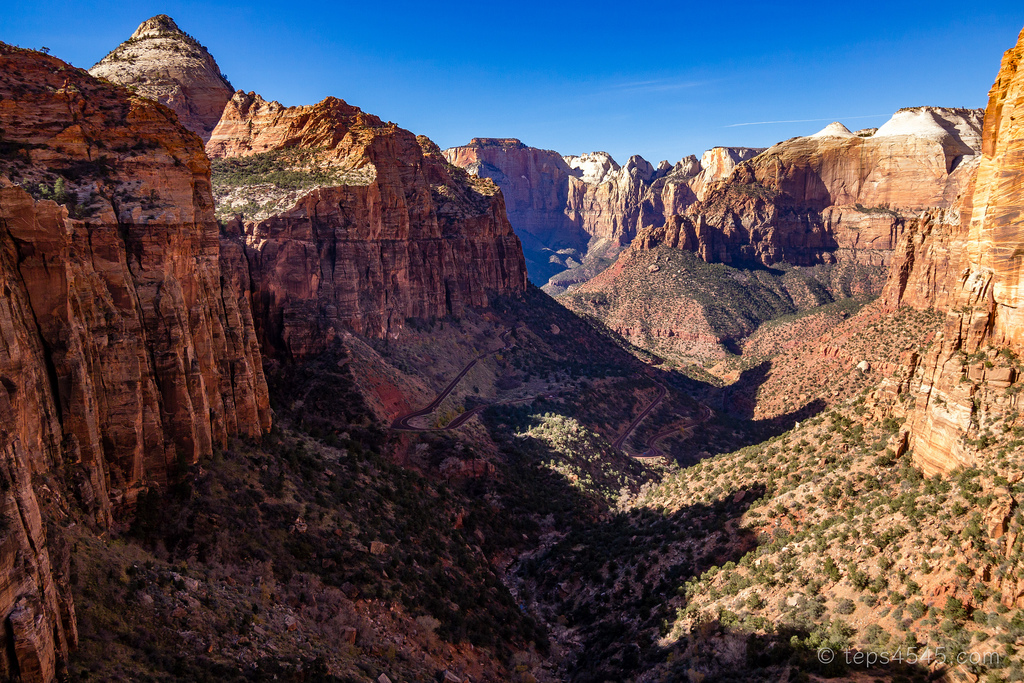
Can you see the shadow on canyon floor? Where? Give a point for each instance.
(733, 425)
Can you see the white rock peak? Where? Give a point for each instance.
(159, 25)
(834, 130)
(596, 167)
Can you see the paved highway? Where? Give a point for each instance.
(639, 418)
(401, 422)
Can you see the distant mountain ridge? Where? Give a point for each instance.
(576, 213)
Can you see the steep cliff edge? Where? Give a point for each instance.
(967, 262)
(535, 185)
(166, 64)
(125, 351)
(387, 231)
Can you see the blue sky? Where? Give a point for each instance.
(660, 79)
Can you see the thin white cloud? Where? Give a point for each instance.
(657, 85)
(835, 118)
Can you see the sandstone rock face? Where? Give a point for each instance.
(836, 202)
(164, 63)
(38, 610)
(402, 234)
(576, 213)
(835, 194)
(124, 351)
(610, 207)
(715, 164)
(968, 263)
(925, 269)
(535, 184)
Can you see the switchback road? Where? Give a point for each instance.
(401, 422)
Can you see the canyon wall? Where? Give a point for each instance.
(823, 198)
(397, 232)
(967, 262)
(835, 205)
(576, 213)
(126, 352)
(534, 182)
(835, 195)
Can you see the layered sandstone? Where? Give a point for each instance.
(535, 185)
(166, 64)
(608, 206)
(838, 195)
(715, 164)
(968, 263)
(836, 202)
(399, 234)
(125, 351)
(576, 213)
(533, 181)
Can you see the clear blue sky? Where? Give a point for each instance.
(658, 79)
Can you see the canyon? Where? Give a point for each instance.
(133, 323)
(823, 213)
(576, 213)
(216, 308)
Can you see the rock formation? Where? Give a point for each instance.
(715, 164)
(166, 64)
(398, 233)
(535, 184)
(835, 201)
(576, 213)
(126, 352)
(607, 205)
(823, 198)
(967, 262)
(836, 195)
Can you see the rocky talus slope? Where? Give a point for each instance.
(126, 351)
(390, 232)
(164, 63)
(575, 213)
(966, 262)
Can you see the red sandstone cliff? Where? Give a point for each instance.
(574, 213)
(836, 195)
(125, 349)
(535, 185)
(967, 262)
(834, 199)
(399, 234)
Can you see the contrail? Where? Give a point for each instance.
(837, 118)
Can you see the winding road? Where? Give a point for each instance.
(639, 418)
(401, 422)
(651, 451)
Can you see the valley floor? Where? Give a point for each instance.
(523, 545)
